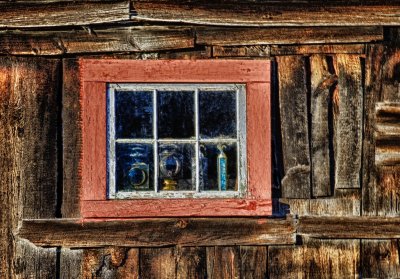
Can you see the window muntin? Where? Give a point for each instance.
(175, 122)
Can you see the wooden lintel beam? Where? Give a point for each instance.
(159, 232)
(269, 13)
(44, 13)
(349, 227)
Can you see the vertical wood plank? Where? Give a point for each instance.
(157, 263)
(380, 259)
(348, 100)
(321, 82)
(191, 263)
(112, 262)
(381, 191)
(315, 259)
(71, 133)
(294, 126)
(28, 171)
(70, 263)
(223, 262)
(253, 260)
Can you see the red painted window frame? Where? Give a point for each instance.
(94, 76)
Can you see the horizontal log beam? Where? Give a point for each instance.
(95, 40)
(159, 232)
(269, 13)
(62, 13)
(349, 227)
(223, 36)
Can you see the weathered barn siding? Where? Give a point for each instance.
(336, 140)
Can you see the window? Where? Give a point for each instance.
(175, 138)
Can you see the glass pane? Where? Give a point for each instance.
(177, 167)
(134, 167)
(217, 114)
(133, 114)
(218, 167)
(175, 114)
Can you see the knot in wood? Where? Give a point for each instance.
(181, 224)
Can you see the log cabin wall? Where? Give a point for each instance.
(335, 119)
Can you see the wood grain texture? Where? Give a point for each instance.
(223, 262)
(210, 71)
(179, 262)
(258, 139)
(294, 127)
(321, 82)
(28, 168)
(381, 196)
(183, 207)
(260, 13)
(349, 227)
(227, 36)
(62, 13)
(277, 50)
(70, 263)
(94, 138)
(159, 232)
(315, 259)
(111, 262)
(254, 261)
(380, 258)
(72, 140)
(387, 134)
(241, 51)
(348, 121)
(96, 40)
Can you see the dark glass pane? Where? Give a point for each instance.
(177, 167)
(133, 114)
(134, 167)
(213, 175)
(175, 114)
(217, 114)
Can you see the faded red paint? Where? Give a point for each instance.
(94, 76)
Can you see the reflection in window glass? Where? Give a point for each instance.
(134, 167)
(175, 114)
(177, 167)
(213, 175)
(217, 113)
(133, 114)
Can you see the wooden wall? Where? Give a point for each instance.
(336, 142)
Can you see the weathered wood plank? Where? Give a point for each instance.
(315, 258)
(349, 227)
(346, 202)
(223, 262)
(112, 262)
(28, 168)
(294, 126)
(95, 40)
(261, 13)
(321, 82)
(72, 143)
(387, 134)
(380, 259)
(62, 13)
(70, 263)
(241, 51)
(224, 36)
(348, 121)
(191, 263)
(159, 232)
(253, 261)
(277, 50)
(158, 263)
(204, 53)
(381, 192)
